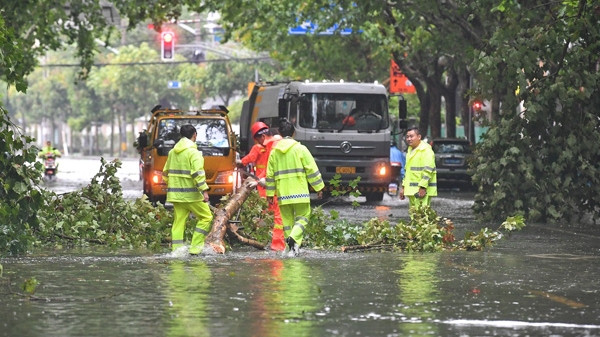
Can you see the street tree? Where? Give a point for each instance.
(28, 30)
(131, 91)
(227, 79)
(540, 156)
(264, 26)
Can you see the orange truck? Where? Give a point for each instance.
(216, 140)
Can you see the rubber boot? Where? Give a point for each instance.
(278, 241)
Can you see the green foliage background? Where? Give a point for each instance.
(541, 159)
(535, 63)
(19, 188)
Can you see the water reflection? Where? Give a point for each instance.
(299, 297)
(281, 299)
(418, 285)
(530, 285)
(266, 307)
(187, 297)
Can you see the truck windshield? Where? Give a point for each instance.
(212, 137)
(337, 112)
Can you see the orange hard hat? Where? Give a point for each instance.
(258, 126)
(349, 121)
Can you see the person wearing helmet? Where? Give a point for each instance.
(259, 156)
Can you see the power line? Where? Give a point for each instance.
(250, 60)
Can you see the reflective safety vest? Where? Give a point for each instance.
(290, 169)
(259, 155)
(420, 170)
(48, 149)
(184, 173)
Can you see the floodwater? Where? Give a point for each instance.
(542, 281)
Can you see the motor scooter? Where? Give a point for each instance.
(50, 166)
(394, 186)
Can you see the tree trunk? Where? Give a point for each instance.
(463, 102)
(112, 131)
(214, 240)
(424, 103)
(123, 134)
(435, 116)
(450, 95)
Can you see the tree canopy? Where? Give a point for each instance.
(535, 64)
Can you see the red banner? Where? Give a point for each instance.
(399, 83)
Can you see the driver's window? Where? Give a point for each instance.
(212, 133)
(168, 131)
(306, 116)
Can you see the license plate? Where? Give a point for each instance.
(452, 161)
(345, 169)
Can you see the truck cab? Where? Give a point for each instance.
(215, 139)
(345, 126)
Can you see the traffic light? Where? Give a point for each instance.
(477, 105)
(167, 46)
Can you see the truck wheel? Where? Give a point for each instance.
(146, 189)
(374, 196)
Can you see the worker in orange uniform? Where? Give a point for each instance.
(259, 156)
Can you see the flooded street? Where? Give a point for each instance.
(542, 281)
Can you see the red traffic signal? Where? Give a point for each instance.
(477, 105)
(167, 46)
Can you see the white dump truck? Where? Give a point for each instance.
(345, 125)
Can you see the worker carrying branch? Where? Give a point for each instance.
(259, 156)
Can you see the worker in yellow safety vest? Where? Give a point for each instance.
(420, 178)
(290, 169)
(47, 150)
(187, 189)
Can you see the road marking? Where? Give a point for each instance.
(564, 256)
(518, 324)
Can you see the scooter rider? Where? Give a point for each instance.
(48, 150)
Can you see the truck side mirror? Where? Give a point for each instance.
(402, 110)
(142, 140)
(282, 108)
(158, 143)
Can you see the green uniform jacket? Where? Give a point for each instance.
(184, 173)
(290, 169)
(48, 149)
(420, 170)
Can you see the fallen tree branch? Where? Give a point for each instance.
(248, 174)
(96, 241)
(347, 249)
(214, 239)
(233, 230)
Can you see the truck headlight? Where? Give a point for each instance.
(157, 177)
(225, 177)
(381, 169)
